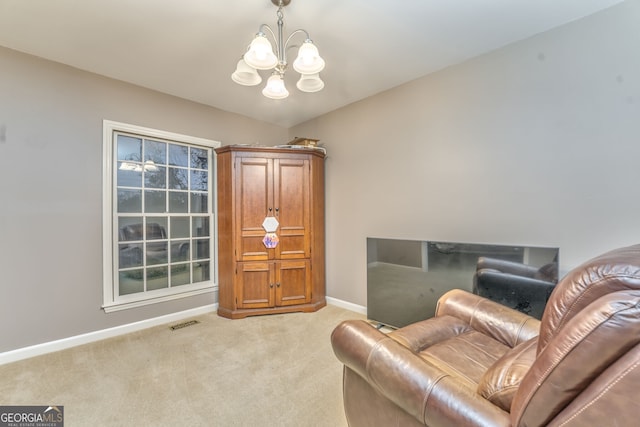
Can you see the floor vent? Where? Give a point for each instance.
(183, 324)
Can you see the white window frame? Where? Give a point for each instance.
(112, 301)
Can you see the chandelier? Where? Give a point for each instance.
(260, 56)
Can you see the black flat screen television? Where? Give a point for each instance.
(405, 278)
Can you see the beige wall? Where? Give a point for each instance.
(537, 143)
(51, 180)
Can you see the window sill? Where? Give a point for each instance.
(125, 305)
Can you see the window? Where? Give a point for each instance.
(158, 216)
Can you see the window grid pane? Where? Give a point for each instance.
(162, 214)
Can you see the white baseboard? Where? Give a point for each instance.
(347, 305)
(49, 347)
(62, 344)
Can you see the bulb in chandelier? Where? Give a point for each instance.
(260, 54)
(275, 87)
(308, 60)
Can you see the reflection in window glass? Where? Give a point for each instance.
(178, 179)
(180, 275)
(200, 226)
(178, 202)
(155, 177)
(131, 281)
(178, 155)
(201, 271)
(199, 180)
(179, 227)
(130, 255)
(180, 250)
(129, 228)
(201, 247)
(155, 201)
(156, 227)
(157, 278)
(130, 201)
(129, 148)
(129, 175)
(199, 203)
(199, 159)
(155, 151)
(157, 253)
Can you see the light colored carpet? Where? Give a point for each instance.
(276, 370)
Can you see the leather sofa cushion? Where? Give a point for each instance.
(453, 346)
(501, 381)
(465, 357)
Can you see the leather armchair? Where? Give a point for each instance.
(519, 286)
(480, 363)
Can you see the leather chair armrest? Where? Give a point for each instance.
(506, 266)
(418, 387)
(502, 323)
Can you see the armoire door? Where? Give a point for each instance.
(254, 201)
(293, 282)
(255, 284)
(292, 206)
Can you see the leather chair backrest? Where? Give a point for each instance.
(560, 381)
(611, 272)
(591, 323)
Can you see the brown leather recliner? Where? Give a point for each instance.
(478, 363)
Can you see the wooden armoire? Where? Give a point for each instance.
(270, 230)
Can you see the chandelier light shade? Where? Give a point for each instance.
(275, 87)
(308, 60)
(260, 55)
(310, 83)
(246, 75)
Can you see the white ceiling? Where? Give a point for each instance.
(189, 48)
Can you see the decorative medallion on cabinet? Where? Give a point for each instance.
(270, 230)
